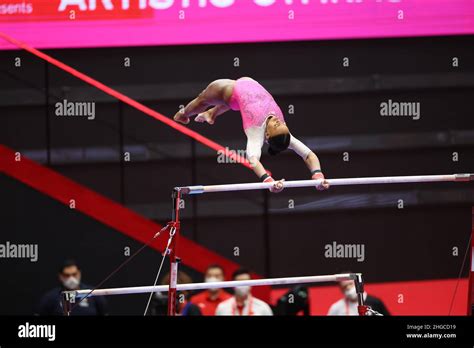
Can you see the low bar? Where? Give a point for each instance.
(192, 190)
(202, 286)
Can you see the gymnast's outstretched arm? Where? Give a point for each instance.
(311, 161)
(254, 151)
(263, 175)
(314, 166)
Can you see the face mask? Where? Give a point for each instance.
(212, 280)
(242, 291)
(71, 283)
(351, 294)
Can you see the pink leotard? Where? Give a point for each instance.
(254, 103)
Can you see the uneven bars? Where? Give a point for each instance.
(332, 182)
(214, 285)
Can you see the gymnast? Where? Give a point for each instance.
(262, 121)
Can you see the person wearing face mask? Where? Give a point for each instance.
(348, 304)
(208, 300)
(243, 303)
(70, 279)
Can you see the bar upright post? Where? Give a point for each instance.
(174, 234)
(359, 285)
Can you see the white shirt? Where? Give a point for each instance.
(256, 138)
(252, 306)
(345, 307)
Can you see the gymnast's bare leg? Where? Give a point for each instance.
(210, 103)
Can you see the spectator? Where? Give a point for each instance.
(243, 303)
(159, 303)
(348, 304)
(294, 302)
(208, 300)
(70, 279)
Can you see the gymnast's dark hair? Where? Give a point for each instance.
(278, 143)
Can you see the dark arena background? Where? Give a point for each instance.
(95, 188)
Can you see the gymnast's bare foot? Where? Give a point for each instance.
(181, 118)
(207, 116)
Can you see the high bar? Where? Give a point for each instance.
(213, 285)
(332, 182)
